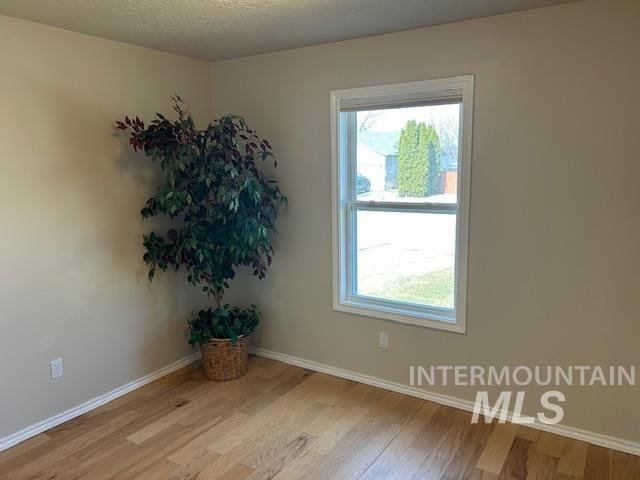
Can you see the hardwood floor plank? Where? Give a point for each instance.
(463, 463)
(24, 448)
(432, 468)
(51, 461)
(487, 475)
(187, 409)
(192, 469)
(141, 457)
(399, 460)
(299, 467)
(293, 409)
(573, 458)
(270, 369)
(347, 420)
(266, 446)
(434, 430)
(528, 433)
(269, 467)
(259, 402)
(624, 466)
(95, 459)
(597, 465)
(358, 397)
(287, 380)
(391, 409)
(441, 456)
(199, 445)
(497, 448)
(238, 472)
(540, 466)
(218, 468)
(516, 464)
(353, 454)
(550, 444)
(160, 469)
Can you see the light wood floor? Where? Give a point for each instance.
(283, 422)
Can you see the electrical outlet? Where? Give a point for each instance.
(56, 368)
(383, 339)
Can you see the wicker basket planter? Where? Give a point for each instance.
(223, 360)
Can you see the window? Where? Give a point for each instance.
(401, 172)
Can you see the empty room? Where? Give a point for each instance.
(319, 239)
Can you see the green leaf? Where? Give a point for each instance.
(220, 208)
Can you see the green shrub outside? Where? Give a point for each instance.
(418, 160)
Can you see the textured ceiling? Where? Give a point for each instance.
(219, 29)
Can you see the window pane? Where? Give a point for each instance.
(408, 154)
(406, 256)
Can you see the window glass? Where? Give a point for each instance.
(406, 256)
(408, 154)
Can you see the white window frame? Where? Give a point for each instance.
(345, 201)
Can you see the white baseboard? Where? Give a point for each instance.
(85, 407)
(606, 441)
(563, 430)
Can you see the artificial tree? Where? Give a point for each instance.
(222, 209)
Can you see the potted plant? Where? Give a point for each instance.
(222, 210)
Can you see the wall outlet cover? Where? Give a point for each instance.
(56, 368)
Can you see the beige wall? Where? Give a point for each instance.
(554, 265)
(72, 283)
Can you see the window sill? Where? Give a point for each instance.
(411, 316)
